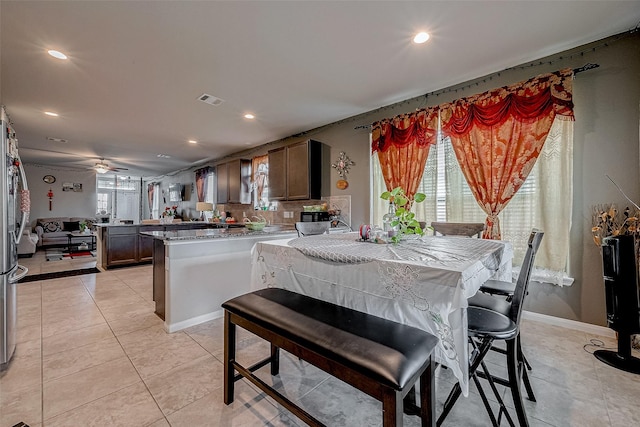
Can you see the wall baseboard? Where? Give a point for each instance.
(570, 324)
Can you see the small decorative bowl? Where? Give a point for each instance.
(255, 226)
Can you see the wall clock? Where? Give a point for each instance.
(49, 179)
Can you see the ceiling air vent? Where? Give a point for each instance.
(60, 140)
(210, 99)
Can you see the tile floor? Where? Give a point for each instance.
(92, 353)
(38, 264)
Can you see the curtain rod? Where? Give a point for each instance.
(586, 67)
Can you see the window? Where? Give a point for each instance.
(544, 201)
(119, 196)
(210, 195)
(260, 182)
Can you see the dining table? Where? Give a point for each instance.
(421, 281)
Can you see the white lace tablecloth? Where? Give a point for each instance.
(422, 282)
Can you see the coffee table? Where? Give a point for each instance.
(75, 235)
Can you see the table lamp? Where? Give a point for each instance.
(203, 207)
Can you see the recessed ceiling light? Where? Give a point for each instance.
(51, 113)
(421, 38)
(192, 141)
(249, 116)
(57, 54)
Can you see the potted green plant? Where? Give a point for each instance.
(403, 221)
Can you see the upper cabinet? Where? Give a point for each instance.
(222, 183)
(278, 174)
(295, 171)
(233, 179)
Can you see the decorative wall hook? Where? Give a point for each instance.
(342, 166)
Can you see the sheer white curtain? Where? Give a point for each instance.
(425, 211)
(544, 201)
(155, 207)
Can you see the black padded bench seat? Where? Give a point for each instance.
(381, 358)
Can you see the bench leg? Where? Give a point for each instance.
(428, 395)
(392, 409)
(229, 357)
(275, 360)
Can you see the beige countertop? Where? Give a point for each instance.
(217, 233)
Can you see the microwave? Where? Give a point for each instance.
(314, 216)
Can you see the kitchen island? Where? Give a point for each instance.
(195, 271)
(122, 244)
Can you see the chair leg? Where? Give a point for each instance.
(525, 376)
(522, 360)
(392, 409)
(496, 393)
(428, 395)
(514, 380)
(479, 352)
(455, 393)
(485, 401)
(275, 360)
(229, 357)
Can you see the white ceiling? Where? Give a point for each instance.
(129, 89)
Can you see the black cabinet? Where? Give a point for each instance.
(622, 292)
(233, 179)
(295, 171)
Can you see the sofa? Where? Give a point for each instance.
(27, 245)
(53, 231)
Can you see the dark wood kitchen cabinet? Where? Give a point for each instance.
(233, 180)
(222, 183)
(295, 171)
(122, 245)
(278, 174)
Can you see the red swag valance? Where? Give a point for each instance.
(402, 144)
(419, 128)
(498, 135)
(546, 94)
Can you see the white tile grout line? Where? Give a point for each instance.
(570, 324)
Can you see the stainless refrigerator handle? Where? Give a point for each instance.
(17, 276)
(25, 215)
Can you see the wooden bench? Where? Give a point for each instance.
(381, 358)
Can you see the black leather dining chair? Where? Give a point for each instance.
(485, 298)
(501, 323)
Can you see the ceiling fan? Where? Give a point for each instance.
(102, 167)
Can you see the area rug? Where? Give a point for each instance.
(79, 254)
(58, 274)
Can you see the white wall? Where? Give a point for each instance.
(65, 203)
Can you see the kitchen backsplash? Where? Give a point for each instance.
(341, 203)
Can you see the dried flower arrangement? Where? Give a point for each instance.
(608, 221)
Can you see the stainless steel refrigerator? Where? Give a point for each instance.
(13, 217)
